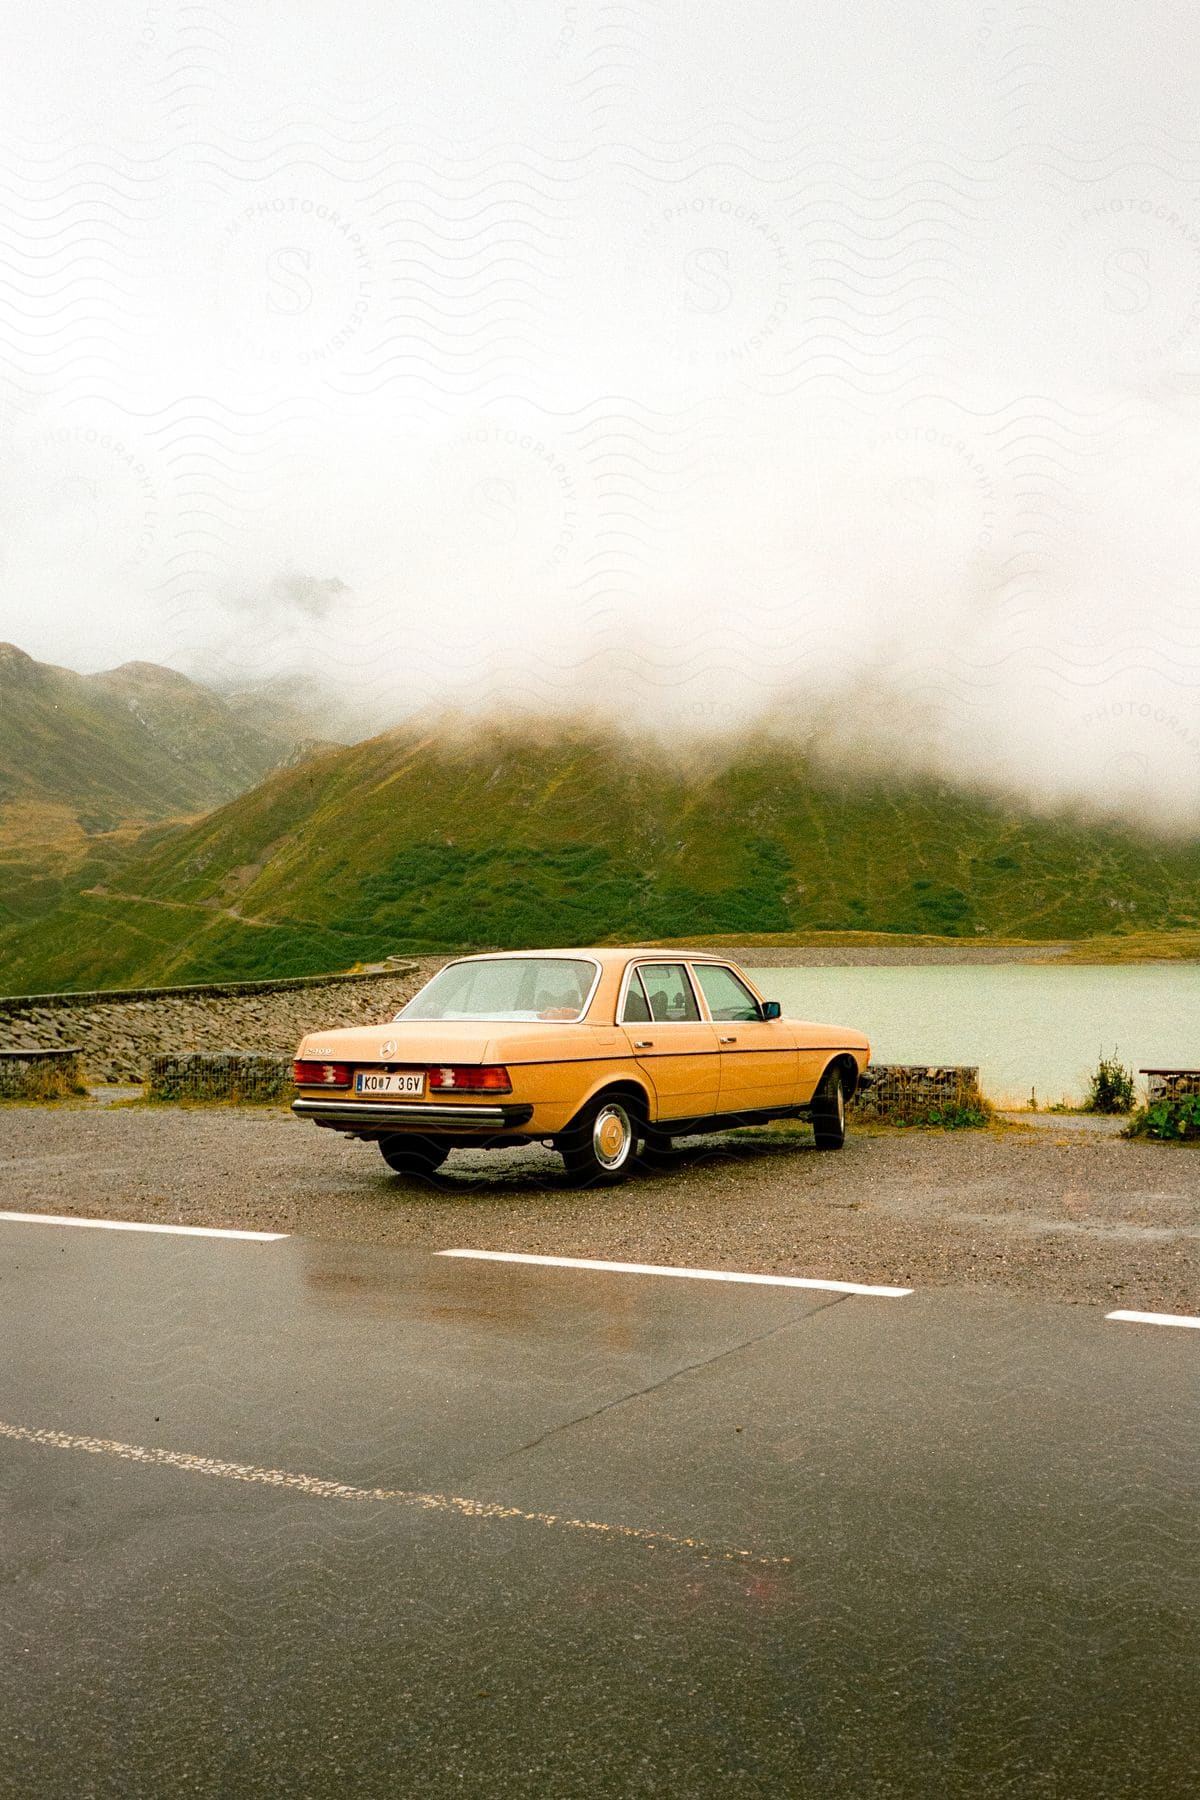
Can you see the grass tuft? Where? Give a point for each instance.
(44, 1083)
(955, 1117)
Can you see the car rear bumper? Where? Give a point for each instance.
(414, 1115)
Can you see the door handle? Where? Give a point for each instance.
(727, 1040)
(643, 1043)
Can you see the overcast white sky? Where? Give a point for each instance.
(686, 360)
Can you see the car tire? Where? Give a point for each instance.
(829, 1111)
(599, 1145)
(406, 1155)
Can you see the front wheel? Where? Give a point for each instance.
(829, 1112)
(599, 1144)
(413, 1155)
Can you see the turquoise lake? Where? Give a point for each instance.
(1025, 1025)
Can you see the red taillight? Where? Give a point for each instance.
(490, 1078)
(321, 1074)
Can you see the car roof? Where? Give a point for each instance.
(607, 954)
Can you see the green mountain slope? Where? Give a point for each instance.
(135, 742)
(85, 757)
(508, 838)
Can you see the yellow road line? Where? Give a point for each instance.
(318, 1489)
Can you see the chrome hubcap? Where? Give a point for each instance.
(841, 1107)
(612, 1135)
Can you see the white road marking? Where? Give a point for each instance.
(1144, 1318)
(624, 1268)
(318, 1489)
(212, 1231)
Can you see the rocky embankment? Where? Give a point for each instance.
(119, 1035)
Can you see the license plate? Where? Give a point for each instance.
(378, 1081)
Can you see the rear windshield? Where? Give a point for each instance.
(506, 988)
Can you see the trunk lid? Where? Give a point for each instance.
(418, 1043)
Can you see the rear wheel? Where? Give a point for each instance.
(598, 1146)
(413, 1155)
(829, 1111)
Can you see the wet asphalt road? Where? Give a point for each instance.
(747, 1540)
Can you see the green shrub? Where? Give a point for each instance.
(1170, 1121)
(955, 1117)
(1111, 1089)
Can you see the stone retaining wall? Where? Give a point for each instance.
(395, 965)
(120, 1033)
(42, 1074)
(1170, 1084)
(221, 1075)
(903, 1090)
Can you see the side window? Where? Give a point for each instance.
(636, 1010)
(727, 997)
(669, 992)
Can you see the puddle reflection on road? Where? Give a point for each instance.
(417, 1286)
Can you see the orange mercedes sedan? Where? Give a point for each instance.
(593, 1052)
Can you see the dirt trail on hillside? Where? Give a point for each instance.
(209, 908)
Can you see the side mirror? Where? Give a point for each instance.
(771, 1009)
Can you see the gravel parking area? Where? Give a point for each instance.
(1066, 1214)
